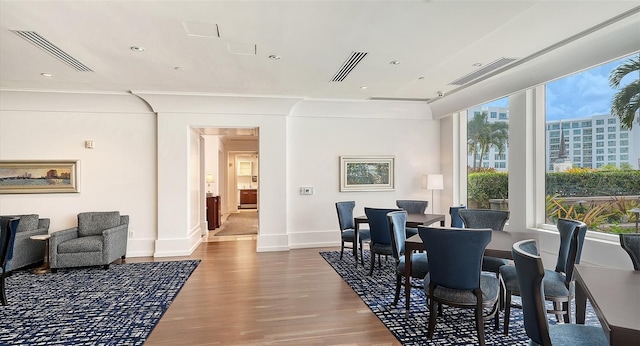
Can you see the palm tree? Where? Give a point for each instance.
(483, 135)
(625, 103)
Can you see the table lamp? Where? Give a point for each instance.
(209, 181)
(434, 182)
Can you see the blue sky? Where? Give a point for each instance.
(582, 94)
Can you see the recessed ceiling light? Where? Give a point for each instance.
(395, 62)
(363, 87)
(48, 75)
(478, 64)
(274, 57)
(137, 49)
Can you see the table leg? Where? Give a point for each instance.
(581, 302)
(407, 280)
(355, 241)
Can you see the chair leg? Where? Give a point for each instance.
(558, 307)
(355, 253)
(106, 266)
(503, 289)
(3, 293)
(432, 319)
(496, 318)
(567, 307)
(398, 285)
(341, 249)
(480, 325)
(373, 262)
(507, 311)
(361, 254)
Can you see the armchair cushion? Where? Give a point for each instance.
(93, 223)
(91, 243)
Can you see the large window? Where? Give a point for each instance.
(488, 153)
(600, 196)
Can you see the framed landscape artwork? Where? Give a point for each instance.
(38, 177)
(366, 173)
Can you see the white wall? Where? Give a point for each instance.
(119, 174)
(319, 133)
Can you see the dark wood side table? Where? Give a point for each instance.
(213, 212)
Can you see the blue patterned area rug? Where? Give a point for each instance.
(454, 327)
(90, 306)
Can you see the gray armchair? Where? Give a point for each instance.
(99, 239)
(27, 251)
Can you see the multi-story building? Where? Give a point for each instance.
(590, 142)
(593, 142)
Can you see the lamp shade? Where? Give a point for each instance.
(435, 182)
(210, 179)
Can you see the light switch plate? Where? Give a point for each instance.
(306, 190)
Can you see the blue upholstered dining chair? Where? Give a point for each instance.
(456, 220)
(531, 275)
(419, 263)
(558, 283)
(487, 218)
(347, 230)
(455, 277)
(380, 235)
(8, 229)
(412, 206)
(630, 242)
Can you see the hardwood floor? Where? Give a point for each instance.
(239, 297)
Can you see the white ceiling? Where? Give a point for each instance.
(435, 42)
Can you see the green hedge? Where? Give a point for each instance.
(482, 187)
(494, 185)
(596, 183)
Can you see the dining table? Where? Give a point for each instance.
(413, 220)
(614, 295)
(500, 246)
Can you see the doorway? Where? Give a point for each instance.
(237, 169)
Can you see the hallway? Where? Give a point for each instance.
(242, 225)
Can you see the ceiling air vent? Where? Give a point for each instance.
(412, 99)
(483, 71)
(44, 44)
(348, 66)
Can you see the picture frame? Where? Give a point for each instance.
(367, 173)
(51, 176)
